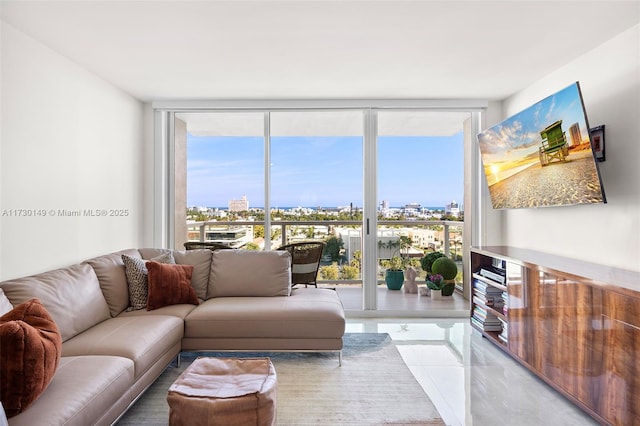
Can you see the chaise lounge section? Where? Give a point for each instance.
(111, 353)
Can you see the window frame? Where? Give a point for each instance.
(165, 176)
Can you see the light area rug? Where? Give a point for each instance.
(372, 387)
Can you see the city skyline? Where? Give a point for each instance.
(323, 171)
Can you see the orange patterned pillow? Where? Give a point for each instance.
(170, 284)
(31, 348)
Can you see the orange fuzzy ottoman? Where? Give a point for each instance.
(224, 391)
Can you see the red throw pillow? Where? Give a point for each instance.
(30, 346)
(170, 285)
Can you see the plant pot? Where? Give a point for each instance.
(448, 287)
(394, 279)
(436, 294)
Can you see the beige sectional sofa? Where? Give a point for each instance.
(112, 354)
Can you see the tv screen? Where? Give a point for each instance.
(542, 156)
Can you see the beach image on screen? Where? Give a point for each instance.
(542, 156)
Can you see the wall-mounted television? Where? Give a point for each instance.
(542, 156)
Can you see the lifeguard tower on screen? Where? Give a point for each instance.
(554, 144)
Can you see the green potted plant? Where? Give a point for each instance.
(448, 269)
(434, 283)
(394, 275)
(428, 259)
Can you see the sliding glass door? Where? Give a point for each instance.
(420, 194)
(373, 184)
(316, 186)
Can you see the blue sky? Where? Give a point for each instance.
(323, 171)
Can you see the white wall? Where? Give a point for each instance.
(70, 141)
(490, 220)
(608, 234)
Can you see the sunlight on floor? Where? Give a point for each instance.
(397, 303)
(469, 380)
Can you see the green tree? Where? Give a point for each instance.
(356, 262)
(258, 231)
(197, 215)
(310, 232)
(350, 272)
(251, 247)
(405, 244)
(329, 272)
(333, 248)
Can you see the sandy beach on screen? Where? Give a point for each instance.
(572, 182)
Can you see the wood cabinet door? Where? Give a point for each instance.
(619, 396)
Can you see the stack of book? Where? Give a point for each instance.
(494, 274)
(488, 295)
(505, 300)
(485, 320)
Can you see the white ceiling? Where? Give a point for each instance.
(299, 49)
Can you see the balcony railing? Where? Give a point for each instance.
(449, 236)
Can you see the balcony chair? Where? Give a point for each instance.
(194, 245)
(305, 261)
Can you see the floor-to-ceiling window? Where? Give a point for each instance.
(316, 180)
(221, 178)
(285, 175)
(420, 175)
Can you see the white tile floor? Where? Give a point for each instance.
(470, 381)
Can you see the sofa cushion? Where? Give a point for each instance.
(86, 390)
(309, 313)
(144, 339)
(180, 311)
(169, 285)
(199, 259)
(113, 280)
(201, 262)
(249, 273)
(150, 253)
(5, 305)
(137, 278)
(71, 295)
(30, 347)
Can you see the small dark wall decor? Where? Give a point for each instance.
(597, 142)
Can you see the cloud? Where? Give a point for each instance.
(551, 110)
(507, 137)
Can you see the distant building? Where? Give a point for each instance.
(576, 137)
(424, 237)
(385, 211)
(239, 205)
(452, 209)
(411, 209)
(232, 237)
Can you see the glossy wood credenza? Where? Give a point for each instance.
(575, 324)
